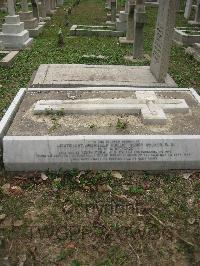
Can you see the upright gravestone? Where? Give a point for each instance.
(130, 24)
(139, 21)
(13, 34)
(30, 22)
(188, 9)
(34, 4)
(113, 10)
(196, 20)
(163, 39)
(121, 22)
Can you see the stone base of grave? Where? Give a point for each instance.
(1, 45)
(44, 19)
(31, 23)
(194, 51)
(192, 22)
(117, 139)
(124, 40)
(183, 37)
(13, 34)
(111, 23)
(51, 12)
(152, 4)
(36, 31)
(134, 60)
(60, 3)
(121, 22)
(87, 30)
(70, 75)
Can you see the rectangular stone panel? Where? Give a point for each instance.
(101, 152)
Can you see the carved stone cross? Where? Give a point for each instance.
(152, 109)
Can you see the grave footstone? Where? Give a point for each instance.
(13, 34)
(163, 39)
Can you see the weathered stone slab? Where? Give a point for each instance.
(70, 75)
(30, 144)
(186, 35)
(7, 60)
(102, 152)
(85, 30)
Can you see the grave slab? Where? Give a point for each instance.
(87, 30)
(96, 141)
(70, 75)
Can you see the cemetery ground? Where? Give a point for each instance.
(97, 218)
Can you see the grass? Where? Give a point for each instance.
(94, 218)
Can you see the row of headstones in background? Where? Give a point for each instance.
(163, 36)
(135, 27)
(190, 5)
(189, 35)
(17, 29)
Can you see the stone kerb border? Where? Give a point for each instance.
(182, 37)
(187, 145)
(10, 114)
(86, 30)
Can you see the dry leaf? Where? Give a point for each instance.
(67, 208)
(18, 223)
(78, 176)
(2, 217)
(104, 188)
(117, 175)
(187, 175)
(22, 259)
(6, 188)
(71, 245)
(125, 187)
(191, 221)
(125, 198)
(44, 176)
(16, 190)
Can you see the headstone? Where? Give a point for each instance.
(163, 39)
(35, 142)
(196, 20)
(42, 9)
(3, 6)
(34, 4)
(13, 34)
(113, 10)
(188, 9)
(139, 21)
(130, 24)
